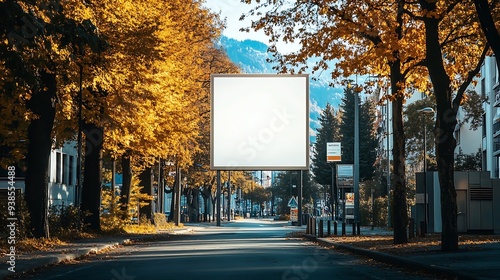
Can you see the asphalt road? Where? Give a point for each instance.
(245, 249)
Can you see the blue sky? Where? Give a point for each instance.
(231, 10)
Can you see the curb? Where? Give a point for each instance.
(34, 264)
(56, 259)
(397, 260)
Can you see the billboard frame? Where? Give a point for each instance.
(302, 163)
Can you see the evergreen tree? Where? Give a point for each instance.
(347, 125)
(328, 132)
(367, 138)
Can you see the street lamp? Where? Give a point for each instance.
(425, 111)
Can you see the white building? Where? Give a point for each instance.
(62, 176)
(489, 89)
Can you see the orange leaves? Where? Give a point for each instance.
(151, 74)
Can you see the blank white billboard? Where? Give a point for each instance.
(259, 122)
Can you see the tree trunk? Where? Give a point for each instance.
(37, 159)
(206, 193)
(91, 191)
(445, 125)
(399, 209)
(147, 188)
(194, 205)
(126, 184)
(489, 28)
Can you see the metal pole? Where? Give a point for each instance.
(79, 157)
(332, 191)
(229, 196)
(177, 202)
(161, 189)
(388, 170)
(299, 194)
(356, 157)
(217, 198)
(424, 230)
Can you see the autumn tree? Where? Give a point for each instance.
(454, 54)
(393, 40)
(487, 12)
(152, 89)
(38, 40)
(372, 37)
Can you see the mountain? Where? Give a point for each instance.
(251, 56)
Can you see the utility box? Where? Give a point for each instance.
(478, 201)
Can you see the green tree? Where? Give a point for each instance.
(367, 140)
(470, 162)
(327, 132)
(414, 131)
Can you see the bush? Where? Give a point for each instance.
(66, 221)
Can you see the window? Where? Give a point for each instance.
(65, 165)
(58, 168)
(484, 125)
(483, 89)
(457, 136)
(71, 172)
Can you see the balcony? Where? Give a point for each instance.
(496, 93)
(496, 148)
(496, 128)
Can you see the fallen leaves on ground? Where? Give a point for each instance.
(430, 242)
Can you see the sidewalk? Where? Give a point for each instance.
(472, 261)
(71, 251)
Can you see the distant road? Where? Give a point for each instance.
(242, 249)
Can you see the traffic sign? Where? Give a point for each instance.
(333, 151)
(292, 203)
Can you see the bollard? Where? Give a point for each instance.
(329, 228)
(320, 228)
(411, 233)
(335, 231)
(423, 229)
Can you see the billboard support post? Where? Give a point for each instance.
(217, 199)
(299, 200)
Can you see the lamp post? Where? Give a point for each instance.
(425, 111)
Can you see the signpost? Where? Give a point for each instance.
(294, 210)
(345, 180)
(333, 151)
(333, 154)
